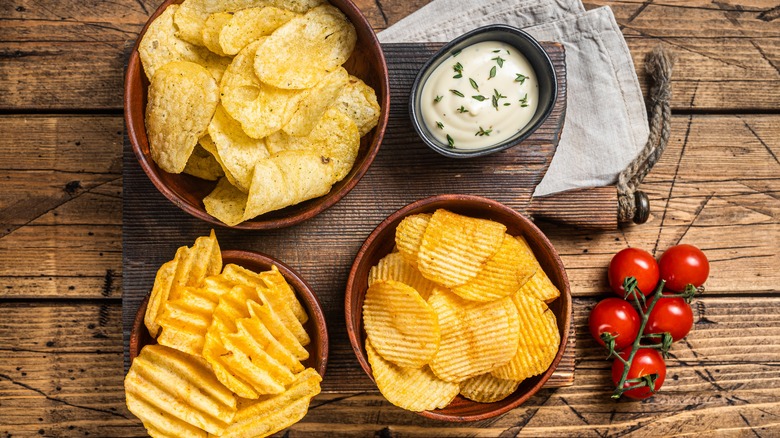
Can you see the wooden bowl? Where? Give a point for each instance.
(187, 192)
(255, 261)
(381, 242)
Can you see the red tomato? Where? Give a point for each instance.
(672, 315)
(637, 263)
(682, 265)
(646, 361)
(615, 316)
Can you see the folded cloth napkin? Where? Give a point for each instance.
(606, 121)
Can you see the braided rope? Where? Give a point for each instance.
(659, 65)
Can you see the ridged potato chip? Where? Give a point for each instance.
(503, 273)
(163, 282)
(186, 320)
(394, 267)
(303, 50)
(237, 151)
(203, 165)
(486, 388)
(315, 101)
(177, 394)
(409, 235)
(538, 342)
(359, 102)
(400, 324)
(271, 279)
(270, 414)
(262, 109)
(253, 328)
(182, 99)
(414, 389)
(249, 25)
(212, 28)
(454, 247)
(475, 337)
(539, 285)
(265, 314)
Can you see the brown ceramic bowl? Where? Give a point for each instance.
(187, 192)
(255, 261)
(381, 242)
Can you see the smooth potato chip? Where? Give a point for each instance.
(538, 285)
(203, 165)
(186, 320)
(454, 247)
(249, 25)
(226, 203)
(400, 324)
(209, 146)
(302, 51)
(486, 388)
(409, 236)
(182, 99)
(394, 267)
(238, 152)
(212, 28)
(359, 102)
(538, 342)
(414, 389)
(315, 101)
(163, 282)
(475, 337)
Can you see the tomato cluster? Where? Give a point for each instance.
(660, 293)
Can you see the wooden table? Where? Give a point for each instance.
(717, 186)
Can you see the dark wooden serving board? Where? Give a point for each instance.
(321, 249)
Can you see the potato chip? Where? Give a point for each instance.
(265, 314)
(315, 101)
(539, 285)
(182, 99)
(247, 360)
(177, 393)
(414, 389)
(400, 324)
(475, 337)
(255, 329)
(209, 146)
(486, 388)
(202, 260)
(163, 282)
(262, 109)
(359, 102)
(270, 414)
(226, 203)
(212, 28)
(454, 248)
(302, 51)
(538, 342)
(203, 165)
(249, 25)
(186, 320)
(394, 267)
(409, 235)
(271, 279)
(502, 274)
(238, 152)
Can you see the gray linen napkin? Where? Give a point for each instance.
(606, 120)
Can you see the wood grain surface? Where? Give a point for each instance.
(717, 186)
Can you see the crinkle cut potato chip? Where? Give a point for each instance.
(278, 329)
(163, 282)
(177, 394)
(454, 247)
(486, 388)
(359, 102)
(303, 50)
(475, 337)
(203, 165)
(315, 101)
(182, 99)
(262, 109)
(414, 389)
(409, 235)
(250, 24)
(538, 343)
(212, 29)
(271, 279)
(238, 152)
(186, 319)
(539, 285)
(253, 328)
(400, 324)
(394, 267)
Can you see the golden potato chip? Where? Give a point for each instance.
(315, 101)
(203, 165)
(248, 361)
(182, 99)
(226, 203)
(538, 342)
(249, 25)
(262, 109)
(265, 314)
(208, 145)
(394, 267)
(400, 324)
(163, 282)
(414, 389)
(271, 279)
(270, 414)
(185, 320)
(409, 235)
(359, 102)
(202, 260)
(212, 28)
(486, 388)
(177, 393)
(454, 248)
(475, 337)
(501, 275)
(303, 50)
(237, 151)
(255, 329)
(539, 285)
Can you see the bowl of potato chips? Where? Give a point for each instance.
(458, 308)
(227, 343)
(256, 114)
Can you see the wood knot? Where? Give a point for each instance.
(72, 187)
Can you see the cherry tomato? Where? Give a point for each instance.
(615, 316)
(672, 315)
(633, 262)
(646, 361)
(682, 265)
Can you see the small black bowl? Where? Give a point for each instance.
(528, 46)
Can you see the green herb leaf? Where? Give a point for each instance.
(507, 104)
(479, 97)
(457, 93)
(450, 141)
(524, 101)
(496, 51)
(482, 132)
(492, 73)
(499, 60)
(462, 109)
(474, 84)
(520, 78)
(437, 99)
(440, 125)
(496, 97)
